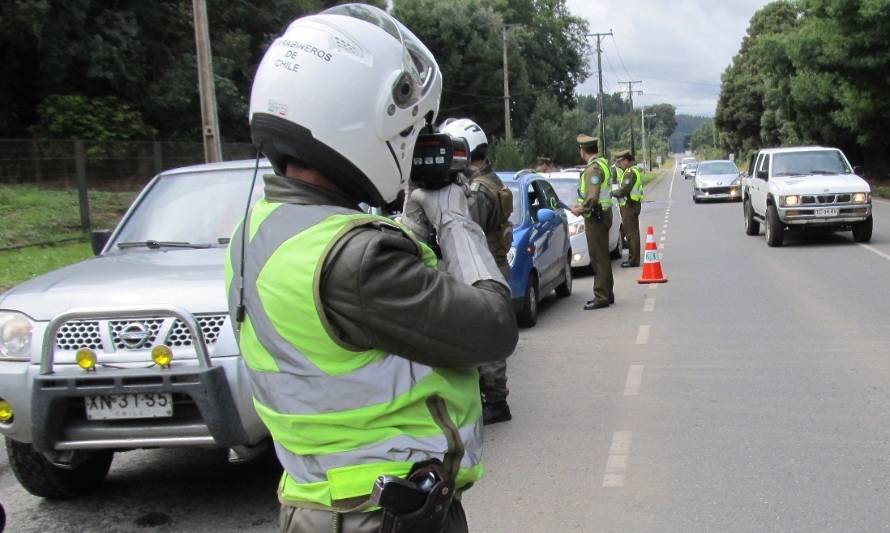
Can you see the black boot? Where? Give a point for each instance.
(495, 412)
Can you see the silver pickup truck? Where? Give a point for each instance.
(133, 348)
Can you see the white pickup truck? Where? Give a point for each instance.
(805, 187)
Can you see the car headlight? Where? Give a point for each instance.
(791, 200)
(860, 198)
(576, 229)
(511, 256)
(15, 335)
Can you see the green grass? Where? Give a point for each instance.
(21, 265)
(29, 215)
(881, 189)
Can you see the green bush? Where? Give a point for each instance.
(506, 155)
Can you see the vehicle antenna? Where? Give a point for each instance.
(239, 313)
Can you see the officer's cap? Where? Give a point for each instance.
(542, 159)
(587, 142)
(624, 155)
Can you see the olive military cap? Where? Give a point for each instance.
(588, 142)
(624, 155)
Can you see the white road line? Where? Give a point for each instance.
(616, 463)
(665, 226)
(875, 250)
(663, 238)
(664, 232)
(653, 286)
(643, 335)
(649, 306)
(634, 380)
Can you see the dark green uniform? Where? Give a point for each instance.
(491, 204)
(594, 189)
(630, 191)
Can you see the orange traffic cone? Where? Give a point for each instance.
(651, 263)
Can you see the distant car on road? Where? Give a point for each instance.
(684, 164)
(691, 169)
(566, 185)
(805, 187)
(717, 180)
(541, 256)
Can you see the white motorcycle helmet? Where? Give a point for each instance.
(469, 130)
(346, 92)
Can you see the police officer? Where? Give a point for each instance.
(490, 204)
(629, 194)
(595, 204)
(362, 354)
(544, 165)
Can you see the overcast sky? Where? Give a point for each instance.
(678, 49)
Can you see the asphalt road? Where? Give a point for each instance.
(751, 393)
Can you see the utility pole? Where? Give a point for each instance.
(206, 86)
(508, 130)
(601, 106)
(646, 155)
(630, 95)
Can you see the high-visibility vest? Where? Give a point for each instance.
(605, 197)
(339, 416)
(636, 193)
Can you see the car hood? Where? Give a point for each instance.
(716, 180)
(192, 279)
(820, 184)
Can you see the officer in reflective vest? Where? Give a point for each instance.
(595, 204)
(361, 350)
(630, 198)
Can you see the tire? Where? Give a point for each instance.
(616, 252)
(41, 478)
(528, 315)
(775, 230)
(694, 197)
(752, 227)
(862, 230)
(564, 290)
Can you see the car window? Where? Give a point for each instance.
(717, 167)
(763, 166)
(809, 162)
(167, 210)
(566, 190)
(516, 215)
(550, 196)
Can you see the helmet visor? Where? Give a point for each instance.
(419, 67)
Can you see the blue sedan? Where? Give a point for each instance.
(541, 256)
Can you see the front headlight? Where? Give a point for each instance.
(511, 256)
(15, 335)
(576, 229)
(791, 200)
(860, 198)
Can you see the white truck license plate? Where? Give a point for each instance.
(827, 212)
(117, 406)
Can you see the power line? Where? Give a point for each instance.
(621, 59)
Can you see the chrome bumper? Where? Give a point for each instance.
(806, 215)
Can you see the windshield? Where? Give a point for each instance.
(717, 168)
(199, 208)
(516, 215)
(692, 165)
(811, 162)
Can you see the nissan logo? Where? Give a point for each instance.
(134, 335)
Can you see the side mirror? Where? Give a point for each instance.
(546, 215)
(99, 239)
(762, 174)
(858, 170)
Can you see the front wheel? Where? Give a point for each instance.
(752, 227)
(42, 478)
(862, 230)
(775, 230)
(528, 315)
(564, 290)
